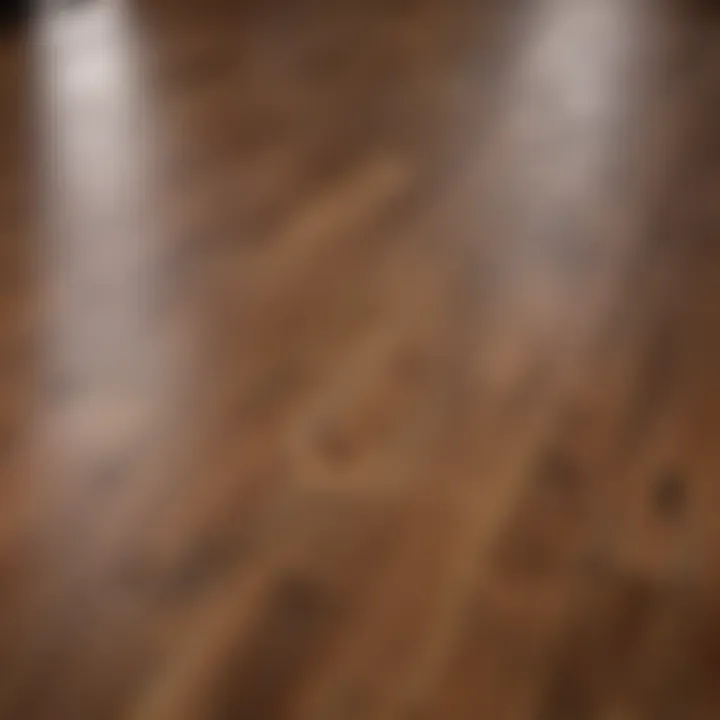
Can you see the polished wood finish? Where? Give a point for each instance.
(359, 360)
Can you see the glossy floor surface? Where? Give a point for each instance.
(359, 361)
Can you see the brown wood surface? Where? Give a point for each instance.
(359, 360)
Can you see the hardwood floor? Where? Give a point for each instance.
(358, 360)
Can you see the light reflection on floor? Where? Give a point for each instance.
(566, 117)
(108, 357)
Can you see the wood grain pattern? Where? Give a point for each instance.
(358, 361)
